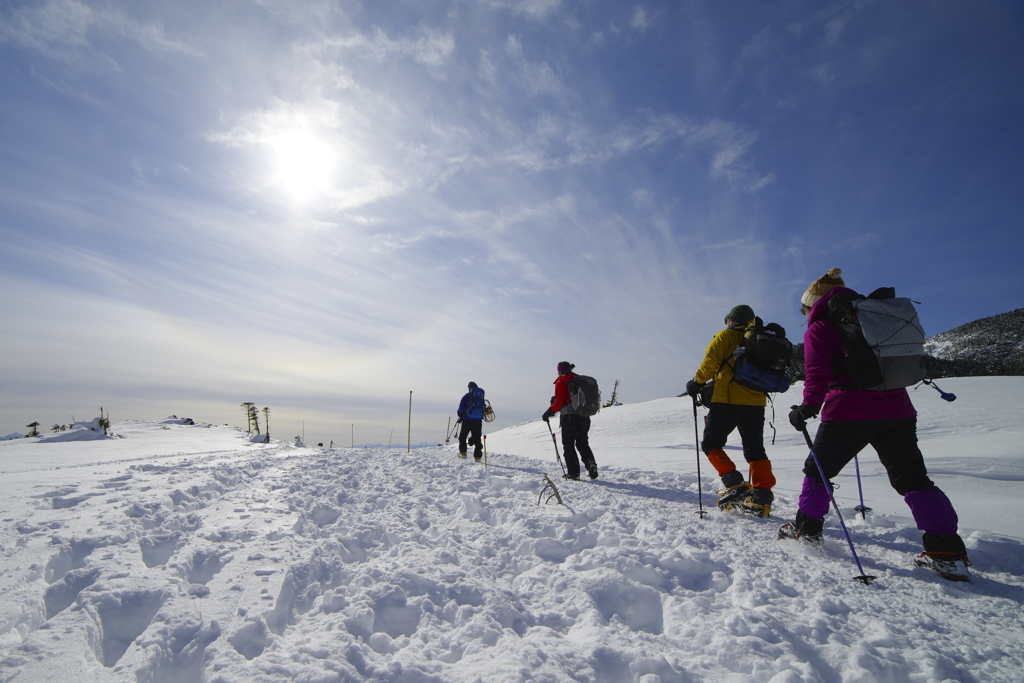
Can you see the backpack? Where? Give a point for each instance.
(585, 395)
(476, 403)
(761, 359)
(883, 341)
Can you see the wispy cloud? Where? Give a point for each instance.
(640, 20)
(62, 30)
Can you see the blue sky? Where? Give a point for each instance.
(322, 206)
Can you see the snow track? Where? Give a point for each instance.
(275, 563)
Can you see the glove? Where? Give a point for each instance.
(693, 387)
(547, 415)
(799, 415)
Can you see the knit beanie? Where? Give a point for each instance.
(564, 367)
(822, 286)
(741, 314)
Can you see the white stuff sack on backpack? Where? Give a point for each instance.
(890, 326)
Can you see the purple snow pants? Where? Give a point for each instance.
(895, 441)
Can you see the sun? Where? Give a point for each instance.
(303, 164)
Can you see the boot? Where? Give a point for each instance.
(945, 554)
(758, 502)
(735, 490)
(804, 529)
(950, 566)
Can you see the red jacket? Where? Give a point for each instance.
(562, 397)
(823, 365)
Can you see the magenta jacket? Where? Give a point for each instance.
(823, 365)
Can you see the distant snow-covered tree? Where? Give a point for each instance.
(614, 397)
(254, 417)
(247, 408)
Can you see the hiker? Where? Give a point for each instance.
(575, 427)
(734, 406)
(471, 415)
(853, 418)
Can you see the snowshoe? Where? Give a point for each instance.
(592, 469)
(462, 454)
(732, 496)
(788, 532)
(571, 477)
(950, 566)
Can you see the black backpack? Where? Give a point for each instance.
(761, 359)
(585, 395)
(883, 341)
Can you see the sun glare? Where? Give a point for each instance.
(304, 164)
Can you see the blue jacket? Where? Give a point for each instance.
(472, 405)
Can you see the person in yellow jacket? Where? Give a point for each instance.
(734, 407)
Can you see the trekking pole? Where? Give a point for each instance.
(863, 578)
(696, 444)
(448, 431)
(454, 429)
(485, 450)
(558, 457)
(862, 508)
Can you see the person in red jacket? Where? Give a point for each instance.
(575, 427)
(852, 419)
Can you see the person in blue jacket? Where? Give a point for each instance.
(471, 413)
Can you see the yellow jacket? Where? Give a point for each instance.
(718, 365)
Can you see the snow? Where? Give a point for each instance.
(174, 552)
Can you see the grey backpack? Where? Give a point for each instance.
(883, 341)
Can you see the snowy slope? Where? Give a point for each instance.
(187, 553)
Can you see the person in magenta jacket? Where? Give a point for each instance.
(575, 427)
(852, 419)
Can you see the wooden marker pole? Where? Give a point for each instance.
(408, 434)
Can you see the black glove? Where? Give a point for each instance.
(799, 415)
(547, 415)
(693, 387)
